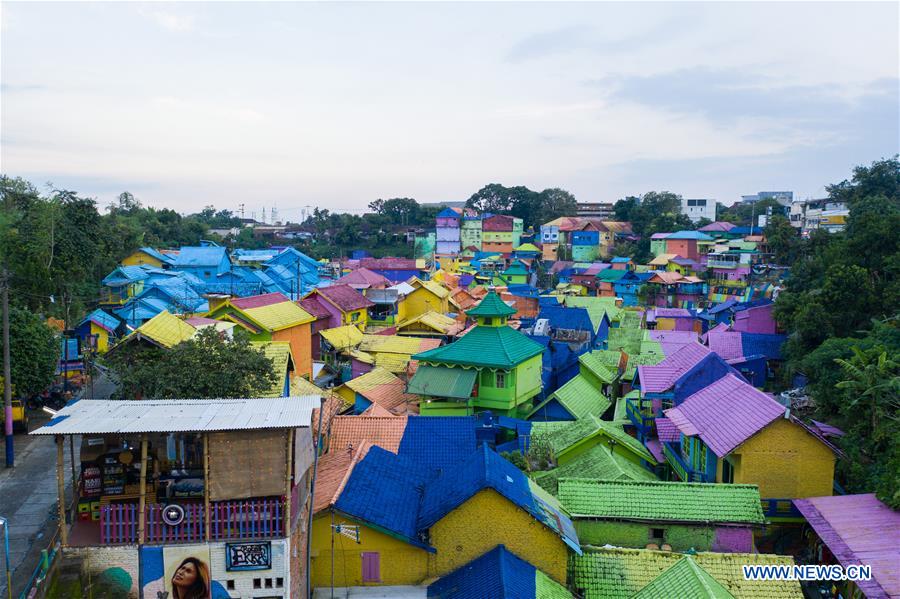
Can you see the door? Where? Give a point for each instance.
(371, 566)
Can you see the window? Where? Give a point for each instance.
(206, 273)
(488, 321)
(500, 380)
(371, 566)
(658, 535)
(354, 317)
(229, 585)
(727, 472)
(257, 583)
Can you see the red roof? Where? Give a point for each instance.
(313, 305)
(344, 297)
(258, 301)
(363, 278)
(498, 222)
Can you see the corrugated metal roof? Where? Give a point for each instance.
(275, 317)
(200, 256)
(440, 381)
(99, 417)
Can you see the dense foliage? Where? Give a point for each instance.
(653, 212)
(34, 350)
(207, 366)
(533, 207)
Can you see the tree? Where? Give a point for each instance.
(783, 239)
(207, 366)
(34, 351)
(553, 203)
(882, 178)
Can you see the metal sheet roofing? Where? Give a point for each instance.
(487, 346)
(381, 387)
(343, 337)
(725, 414)
(662, 376)
(282, 362)
(580, 398)
(661, 501)
(344, 297)
(164, 329)
(363, 278)
(492, 305)
(441, 381)
(598, 463)
(278, 316)
(858, 530)
(102, 319)
(98, 417)
(200, 256)
(684, 579)
(563, 436)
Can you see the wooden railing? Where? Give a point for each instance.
(681, 468)
(228, 520)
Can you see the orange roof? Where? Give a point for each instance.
(462, 298)
(332, 473)
(334, 405)
(353, 431)
(666, 277)
(381, 387)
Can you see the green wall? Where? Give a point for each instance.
(637, 535)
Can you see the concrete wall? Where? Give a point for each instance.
(109, 571)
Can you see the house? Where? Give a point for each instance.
(392, 352)
(613, 573)
(415, 522)
(447, 231)
(99, 330)
(517, 273)
(273, 317)
(569, 325)
(362, 279)
(385, 309)
(622, 263)
(122, 284)
(606, 281)
(597, 463)
(279, 352)
(336, 345)
(380, 387)
(491, 367)
(755, 355)
(470, 231)
(730, 432)
(164, 330)
(687, 244)
(756, 318)
(294, 271)
(345, 305)
(431, 324)
(395, 270)
(167, 479)
(684, 516)
(500, 233)
(204, 262)
(578, 398)
(426, 296)
(148, 256)
(566, 441)
(499, 574)
(658, 244)
(855, 529)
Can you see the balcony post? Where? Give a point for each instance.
(61, 490)
(206, 515)
(287, 484)
(142, 502)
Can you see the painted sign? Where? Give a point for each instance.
(248, 556)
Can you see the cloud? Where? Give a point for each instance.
(547, 43)
(169, 21)
(12, 88)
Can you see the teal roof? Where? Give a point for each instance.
(492, 305)
(440, 381)
(611, 275)
(485, 346)
(579, 398)
(596, 463)
(684, 579)
(659, 501)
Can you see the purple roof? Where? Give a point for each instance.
(673, 313)
(661, 377)
(682, 337)
(727, 344)
(717, 226)
(656, 450)
(826, 430)
(725, 414)
(659, 235)
(856, 529)
(666, 431)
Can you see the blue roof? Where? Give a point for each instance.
(744, 231)
(563, 317)
(620, 260)
(690, 235)
(498, 573)
(73, 349)
(137, 309)
(193, 256)
(548, 300)
(384, 490)
(437, 442)
(154, 253)
(723, 306)
(101, 318)
(123, 275)
(290, 257)
(741, 306)
(523, 290)
(448, 213)
(761, 344)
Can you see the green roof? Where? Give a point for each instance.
(599, 365)
(610, 275)
(626, 339)
(649, 356)
(547, 588)
(596, 307)
(440, 381)
(562, 438)
(684, 579)
(630, 319)
(579, 398)
(659, 501)
(617, 573)
(492, 305)
(485, 346)
(597, 463)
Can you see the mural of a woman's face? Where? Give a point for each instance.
(185, 575)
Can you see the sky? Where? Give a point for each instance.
(333, 105)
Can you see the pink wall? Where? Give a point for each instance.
(733, 540)
(686, 248)
(755, 320)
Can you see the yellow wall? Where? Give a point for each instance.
(361, 318)
(785, 461)
(486, 520)
(139, 258)
(401, 563)
(421, 301)
(300, 338)
(102, 338)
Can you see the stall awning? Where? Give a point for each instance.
(441, 381)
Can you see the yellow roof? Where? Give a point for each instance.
(343, 337)
(663, 259)
(362, 356)
(275, 317)
(392, 344)
(280, 354)
(432, 286)
(165, 329)
(392, 362)
(374, 378)
(435, 320)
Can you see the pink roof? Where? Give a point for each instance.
(668, 278)
(725, 343)
(857, 530)
(660, 377)
(673, 312)
(388, 263)
(717, 226)
(725, 414)
(666, 431)
(313, 305)
(258, 301)
(200, 321)
(659, 235)
(655, 448)
(345, 297)
(363, 278)
(498, 222)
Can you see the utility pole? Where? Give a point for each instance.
(7, 382)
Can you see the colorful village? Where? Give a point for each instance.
(521, 413)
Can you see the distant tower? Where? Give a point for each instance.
(264, 215)
(241, 208)
(274, 215)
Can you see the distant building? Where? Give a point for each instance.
(603, 210)
(783, 197)
(696, 209)
(823, 213)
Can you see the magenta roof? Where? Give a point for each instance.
(717, 226)
(388, 263)
(345, 297)
(659, 235)
(258, 301)
(725, 414)
(856, 529)
(682, 337)
(661, 377)
(313, 305)
(673, 313)
(363, 278)
(726, 343)
(666, 431)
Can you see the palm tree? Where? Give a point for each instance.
(873, 377)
